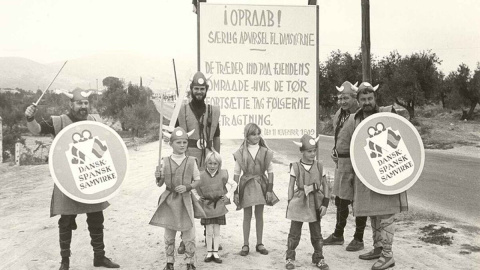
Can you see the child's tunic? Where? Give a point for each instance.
(212, 188)
(302, 207)
(177, 211)
(253, 182)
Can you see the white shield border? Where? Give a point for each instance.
(57, 182)
(354, 163)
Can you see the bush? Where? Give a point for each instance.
(8, 142)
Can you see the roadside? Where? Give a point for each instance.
(29, 237)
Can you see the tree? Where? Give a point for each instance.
(411, 80)
(137, 118)
(114, 100)
(338, 68)
(463, 89)
(11, 116)
(473, 91)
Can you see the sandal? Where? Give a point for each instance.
(245, 250)
(261, 249)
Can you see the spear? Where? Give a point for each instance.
(44, 91)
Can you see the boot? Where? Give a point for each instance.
(190, 266)
(333, 240)
(169, 266)
(383, 263)
(372, 254)
(104, 262)
(289, 264)
(355, 245)
(322, 265)
(65, 264)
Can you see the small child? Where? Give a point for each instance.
(254, 159)
(177, 206)
(307, 202)
(213, 197)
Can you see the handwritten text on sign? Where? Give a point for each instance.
(263, 66)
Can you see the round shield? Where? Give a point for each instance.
(387, 153)
(88, 161)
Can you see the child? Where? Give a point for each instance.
(213, 197)
(254, 188)
(177, 206)
(306, 203)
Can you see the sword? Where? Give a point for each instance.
(44, 91)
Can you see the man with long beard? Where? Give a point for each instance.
(202, 118)
(63, 205)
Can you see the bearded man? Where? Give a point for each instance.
(61, 204)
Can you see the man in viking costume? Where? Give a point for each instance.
(201, 118)
(178, 206)
(379, 207)
(344, 174)
(63, 205)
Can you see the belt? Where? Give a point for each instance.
(213, 201)
(338, 155)
(170, 189)
(200, 144)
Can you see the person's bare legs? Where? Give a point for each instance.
(259, 222)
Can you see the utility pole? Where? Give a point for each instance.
(1, 141)
(366, 64)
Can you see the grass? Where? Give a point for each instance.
(437, 235)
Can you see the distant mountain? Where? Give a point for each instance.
(83, 72)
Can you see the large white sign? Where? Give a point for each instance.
(263, 67)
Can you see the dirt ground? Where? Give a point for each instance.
(29, 237)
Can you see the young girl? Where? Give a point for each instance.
(213, 197)
(253, 158)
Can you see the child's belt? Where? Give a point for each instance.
(213, 200)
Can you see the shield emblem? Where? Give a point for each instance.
(388, 154)
(91, 163)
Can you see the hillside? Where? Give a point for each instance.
(83, 72)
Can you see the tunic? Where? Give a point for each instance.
(303, 207)
(212, 189)
(344, 173)
(253, 182)
(370, 203)
(177, 211)
(204, 127)
(61, 204)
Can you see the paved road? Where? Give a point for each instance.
(449, 185)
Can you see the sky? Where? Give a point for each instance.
(57, 30)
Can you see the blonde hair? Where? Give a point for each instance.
(250, 128)
(214, 156)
